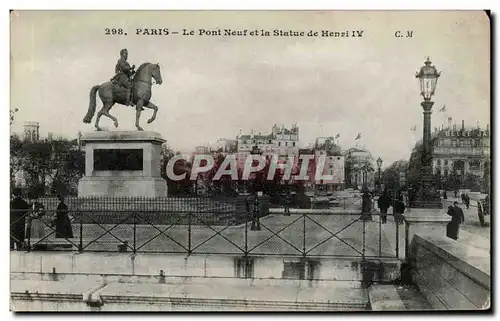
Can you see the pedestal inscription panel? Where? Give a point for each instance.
(118, 159)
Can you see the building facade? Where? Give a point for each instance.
(463, 151)
(31, 131)
(281, 141)
(224, 145)
(286, 141)
(359, 168)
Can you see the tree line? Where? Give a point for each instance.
(46, 166)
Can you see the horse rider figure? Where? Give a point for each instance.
(123, 75)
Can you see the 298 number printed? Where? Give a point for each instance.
(114, 31)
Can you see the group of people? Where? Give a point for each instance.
(465, 198)
(26, 220)
(384, 202)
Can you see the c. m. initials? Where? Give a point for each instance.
(401, 34)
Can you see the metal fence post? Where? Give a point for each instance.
(364, 239)
(80, 246)
(379, 234)
(246, 233)
(304, 235)
(135, 231)
(28, 246)
(189, 233)
(407, 240)
(397, 239)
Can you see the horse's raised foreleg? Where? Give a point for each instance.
(138, 109)
(155, 110)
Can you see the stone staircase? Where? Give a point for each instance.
(187, 295)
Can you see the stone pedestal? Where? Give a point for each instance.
(119, 164)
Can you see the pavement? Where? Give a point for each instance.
(470, 228)
(339, 235)
(329, 234)
(388, 297)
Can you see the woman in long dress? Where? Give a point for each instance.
(457, 218)
(62, 221)
(35, 227)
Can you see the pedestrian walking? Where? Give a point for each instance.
(18, 212)
(399, 209)
(456, 193)
(35, 227)
(384, 202)
(457, 218)
(62, 221)
(366, 206)
(444, 195)
(467, 201)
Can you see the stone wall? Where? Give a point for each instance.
(152, 282)
(59, 266)
(451, 275)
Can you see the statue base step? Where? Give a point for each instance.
(122, 187)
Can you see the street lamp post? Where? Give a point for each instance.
(255, 217)
(288, 199)
(379, 165)
(428, 77)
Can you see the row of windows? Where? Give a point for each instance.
(460, 143)
(472, 163)
(461, 151)
(446, 172)
(269, 142)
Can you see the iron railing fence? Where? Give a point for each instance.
(237, 226)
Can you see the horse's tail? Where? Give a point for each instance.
(92, 106)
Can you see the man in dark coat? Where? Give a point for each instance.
(18, 210)
(399, 209)
(457, 218)
(366, 206)
(62, 221)
(384, 202)
(467, 201)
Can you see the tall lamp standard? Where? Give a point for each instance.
(428, 77)
(379, 165)
(255, 219)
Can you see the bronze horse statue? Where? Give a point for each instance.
(111, 93)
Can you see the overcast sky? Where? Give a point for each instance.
(215, 86)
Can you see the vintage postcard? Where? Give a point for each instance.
(250, 161)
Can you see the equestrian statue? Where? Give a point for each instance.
(128, 87)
